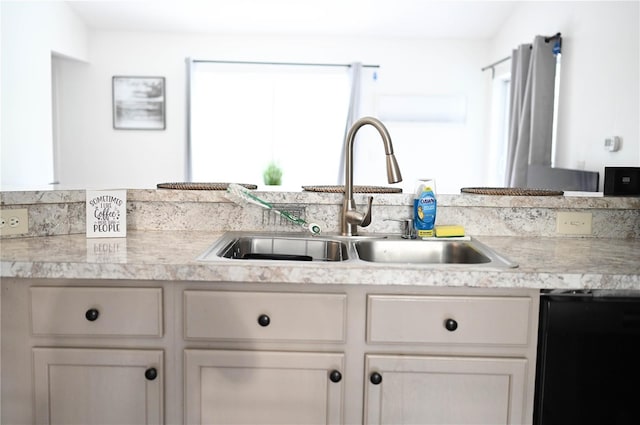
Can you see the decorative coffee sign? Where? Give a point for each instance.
(106, 213)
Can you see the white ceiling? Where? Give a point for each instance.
(475, 19)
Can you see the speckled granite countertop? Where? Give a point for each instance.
(544, 262)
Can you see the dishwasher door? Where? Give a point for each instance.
(588, 369)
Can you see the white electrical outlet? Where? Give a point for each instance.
(14, 221)
(573, 223)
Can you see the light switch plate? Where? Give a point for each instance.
(573, 223)
(14, 221)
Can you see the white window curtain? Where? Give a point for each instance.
(353, 113)
(533, 71)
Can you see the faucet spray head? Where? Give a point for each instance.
(393, 170)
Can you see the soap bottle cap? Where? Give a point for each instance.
(425, 183)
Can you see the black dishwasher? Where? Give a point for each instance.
(588, 368)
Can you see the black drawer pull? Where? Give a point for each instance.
(375, 378)
(92, 314)
(264, 320)
(335, 376)
(451, 325)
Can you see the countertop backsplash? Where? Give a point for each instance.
(63, 212)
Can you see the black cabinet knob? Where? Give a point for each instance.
(451, 325)
(375, 378)
(264, 320)
(92, 314)
(335, 376)
(151, 373)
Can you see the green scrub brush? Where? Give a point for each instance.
(239, 194)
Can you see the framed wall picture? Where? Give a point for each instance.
(138, 103)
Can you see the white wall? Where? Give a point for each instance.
(599, 93)
(31, 32)
(600, 80)
(97, 155)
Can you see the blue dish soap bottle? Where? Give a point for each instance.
(424, 208)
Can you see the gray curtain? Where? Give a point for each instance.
(533, 70)
(352, 114)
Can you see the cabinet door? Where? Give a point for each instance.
(257, 387)
(98, 386)
(444, 390)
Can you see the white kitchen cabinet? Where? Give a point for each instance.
(98, 386)
(82, 353)
(444, 390)
(301, 385)
(261, 353)
(447, 382)
(263, 387)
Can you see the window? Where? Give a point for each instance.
(499, 130)
(245, 115)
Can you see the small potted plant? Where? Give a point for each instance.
(272, 175)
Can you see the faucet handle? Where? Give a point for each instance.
(408, 230)
(366, 220)
(354, 217)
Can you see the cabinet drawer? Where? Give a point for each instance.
(448, 319)
(96, 311)
(266, 316)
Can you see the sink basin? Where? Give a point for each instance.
(428, 252)
(368, 248)
(277, 247)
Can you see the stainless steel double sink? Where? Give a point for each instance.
(334, 248)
